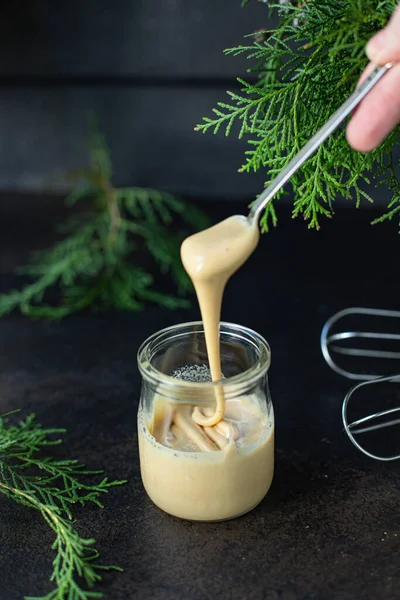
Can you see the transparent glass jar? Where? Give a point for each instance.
(225, 480)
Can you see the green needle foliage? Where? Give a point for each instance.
(305, 68)
(52, 487)
(94, 265)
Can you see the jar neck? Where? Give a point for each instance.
(185, 342)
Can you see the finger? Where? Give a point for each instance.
(385, 45)
(377, 114)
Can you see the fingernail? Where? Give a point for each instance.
(376, 44)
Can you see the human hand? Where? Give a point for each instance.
(379, 112)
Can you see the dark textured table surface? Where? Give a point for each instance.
(330, 525)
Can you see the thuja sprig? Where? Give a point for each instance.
(305, 69)
(98, 263)
(32, 478)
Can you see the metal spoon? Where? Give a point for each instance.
(313, 144)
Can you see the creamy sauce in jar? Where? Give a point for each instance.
(210, 463)
(208, 486)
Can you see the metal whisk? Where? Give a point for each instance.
(334, 345)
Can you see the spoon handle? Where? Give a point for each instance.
(313, 144)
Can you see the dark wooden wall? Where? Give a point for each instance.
(148, 69)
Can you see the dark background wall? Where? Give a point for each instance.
(149, 70)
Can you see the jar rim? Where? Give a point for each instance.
(232, 386)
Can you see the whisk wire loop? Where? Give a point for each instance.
(329, 347)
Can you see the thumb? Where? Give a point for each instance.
(385, 45)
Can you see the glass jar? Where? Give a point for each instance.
(205, 473)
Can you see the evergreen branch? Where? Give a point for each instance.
(307, 67)
(94, 265)
(51, 487)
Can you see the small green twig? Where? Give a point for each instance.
(95, 265)
(52, 487)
